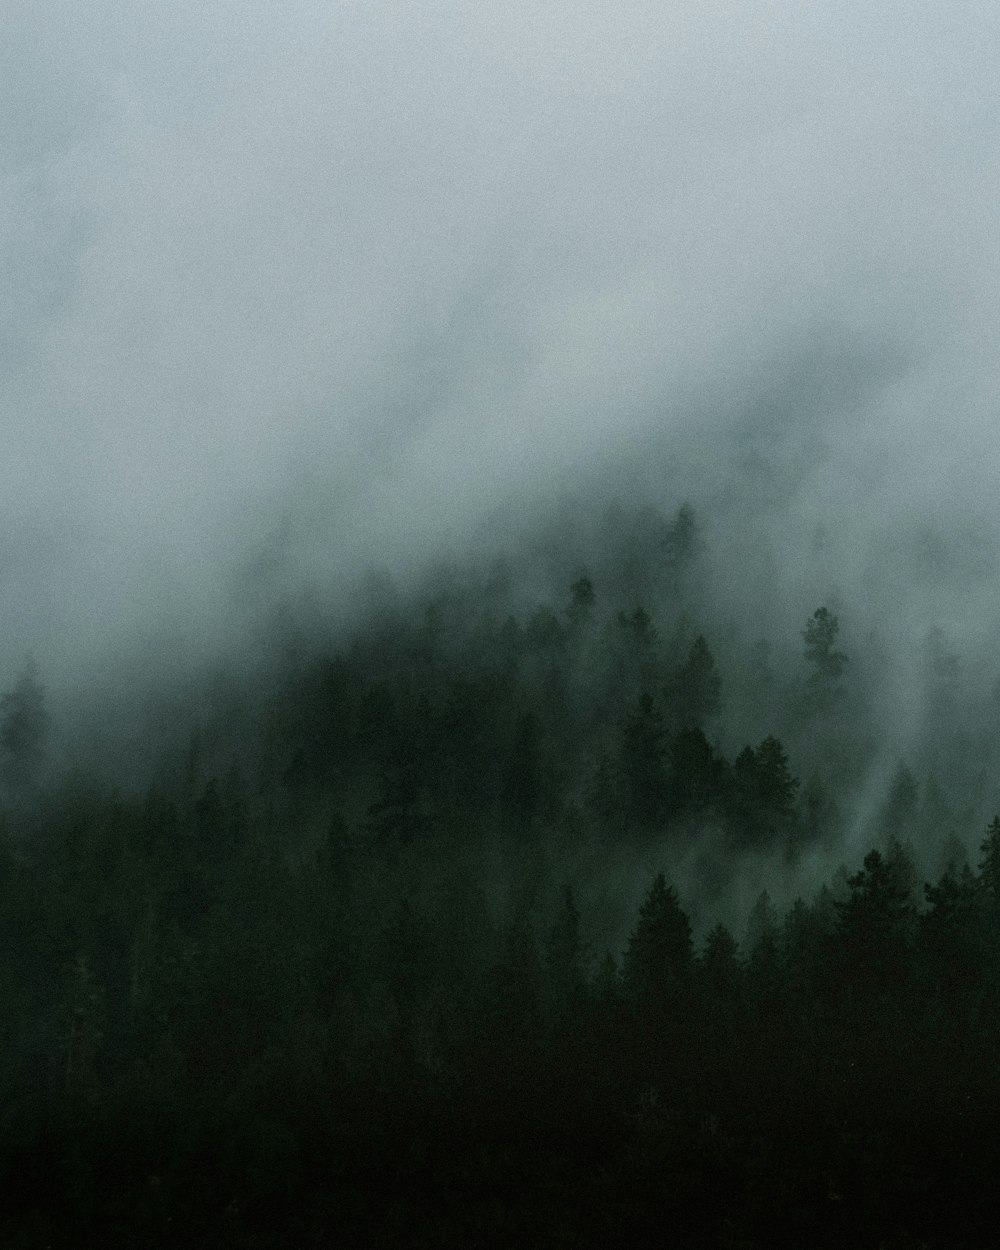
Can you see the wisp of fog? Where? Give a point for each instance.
(355, 275)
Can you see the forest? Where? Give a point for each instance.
(546, 905)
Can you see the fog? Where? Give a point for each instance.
(328, 286)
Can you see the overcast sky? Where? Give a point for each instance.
(414, 258)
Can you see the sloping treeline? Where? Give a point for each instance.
(346, 969)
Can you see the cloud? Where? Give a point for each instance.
(414, 259)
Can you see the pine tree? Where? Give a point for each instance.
(682, 541)
(899, 811)
(826, 662)
(720, 965)
(643, 764)
(659, 955)
(564, 957)
(24, 725)
(581, 604)
(764, 794)
(698, 777)
(694, 692)
(878, 922)
(989, 866)
(522, 782)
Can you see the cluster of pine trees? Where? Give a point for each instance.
(395, 951)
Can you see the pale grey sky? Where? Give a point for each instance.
(415, 258)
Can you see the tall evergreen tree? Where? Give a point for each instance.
(24, 724)
(642, 764)
(826, 663)
(522, 780)
(989, 866)
(878, 922)
(659, 956)
(564, 957)
(694, 692)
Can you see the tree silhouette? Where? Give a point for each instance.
(24, 725)
(642, 763)
(659, 955)
(695, 688)
(826, 662)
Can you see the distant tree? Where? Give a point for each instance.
(84, 1028)
(522, 775)
(953, 856)
(581, 603)
(545, 632)
(515, 992)
(642, 764)
(638, 627)
(209, 818)
(498, 585)
(827, 664)
(564, 957)
(987, 885)
(878, 921)
(698, 776)
(776, 785)
(682, 540)
(952, 939)
(659, 957)
(764, 795)
(899, 811)
(720, 965)
(24, 725)
(763, 947)
(603, 795)
(808, 946)
(628, 659)
(821, 820)
(607, 983)
(989, 867)
(762, 929)
(694, 691)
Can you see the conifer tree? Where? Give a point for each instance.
(24, 725)
(643, 764)
(827, 664)
(695, 689)
(659, 955)
(564, 956)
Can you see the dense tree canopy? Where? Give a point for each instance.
(435, 945)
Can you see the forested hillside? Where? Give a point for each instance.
(551, 904)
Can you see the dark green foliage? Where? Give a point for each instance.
(643, 764)
(820, 636)
(564, 967)
(764, 796)
(23, 727)
(720, 966)
(632, 645)
(821, 817)
(694, 692)
(319, 982)
(581, 605)
(989, 866)
(899, 812)
(522, 783)
(659, 956)
(954, 940)
(826, 663)
(603, 798)
(682, 542)
(878, 922)
(698, 777)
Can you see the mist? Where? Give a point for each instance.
(360, 277)
(499, 556)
